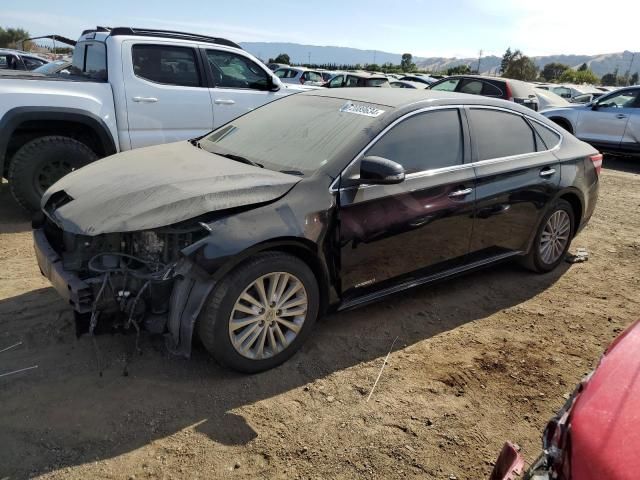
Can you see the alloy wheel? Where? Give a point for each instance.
(268, 315)
(555, 237)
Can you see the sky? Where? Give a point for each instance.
(451, 28)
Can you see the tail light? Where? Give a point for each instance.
(597, 162)
(508, 91)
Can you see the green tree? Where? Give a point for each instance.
(521, 67)
(609, 80)
(12, 36)
(583, 68)
(552, 71)
(406, 63)
(282, 58)
(634, 79)
(459, 70)
(579, 76)
(506, 59)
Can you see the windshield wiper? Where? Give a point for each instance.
(196, 143)
(293, 172)
(240, 159)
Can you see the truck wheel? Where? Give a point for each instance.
(40, 163)
(260, 313)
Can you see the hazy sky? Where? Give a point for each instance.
(421, 27)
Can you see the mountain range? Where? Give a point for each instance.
(599, 64)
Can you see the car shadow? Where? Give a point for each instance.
(13, 218)
(627, 164)
(64, 414)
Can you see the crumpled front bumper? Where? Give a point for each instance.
(71, 288)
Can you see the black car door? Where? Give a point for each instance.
(517, 175)
(420, 225)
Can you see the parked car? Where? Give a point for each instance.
(547, 99)
(327, 74)
(611, 123)
(276, 66)
(568, 91)
(139, 87)
(19, 60)
(426, 79)
(595, 434)
(586, 97)
(497, 87)
(57, 66)
(299, 76)
(237, 229)
(357, 79)
(408, 84)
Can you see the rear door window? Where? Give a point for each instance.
(499, 134)
(166, 64)
(491, 90)
(336, 81)
(424, 141)
(447, 85)
(474, 87)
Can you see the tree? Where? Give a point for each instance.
(282, 58)
(579, 76)
(459, 70)
(634, 79)
(506, 59)
(552, 71)
(583, 67)
(521, 67)
(12, 36)
(406, 63)
(609, 80)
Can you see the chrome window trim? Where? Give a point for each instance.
(437, 171)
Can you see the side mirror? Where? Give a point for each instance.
(273, 84)
(380, 171)
(595, 105)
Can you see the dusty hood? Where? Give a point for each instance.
(157, 186)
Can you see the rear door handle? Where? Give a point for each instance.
(621, 115)
(547, 172)
(145, 99)
(224, 101)
(461, 193)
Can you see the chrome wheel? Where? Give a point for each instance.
(555, 237)
(268, 315)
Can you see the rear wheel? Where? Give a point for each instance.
(553, 238)
(40, 163)
(260, 313)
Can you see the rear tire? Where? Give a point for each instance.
(550, 245)
(40, 163)
(249, 336)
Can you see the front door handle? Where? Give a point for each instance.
(547, 172)
(224, 101)
(621, 115)
(461, 193)
(145, 99)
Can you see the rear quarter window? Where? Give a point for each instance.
(550, 138)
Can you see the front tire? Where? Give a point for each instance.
(259, 315)
(553, 238)
(40, 163)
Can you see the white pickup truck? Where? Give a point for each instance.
(128, 88)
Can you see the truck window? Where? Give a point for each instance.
(90, 60)
(166, 64)
(231, 70)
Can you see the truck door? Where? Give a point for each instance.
(166, 93)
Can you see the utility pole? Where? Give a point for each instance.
(628, 75)
(309, 58)
(374, 56)
(479, 58)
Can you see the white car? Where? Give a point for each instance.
(300, 76)
(127, 88)
(548, 99)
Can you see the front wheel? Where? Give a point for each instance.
(260, 313)
(553, 238)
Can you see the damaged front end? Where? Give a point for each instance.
(127, 281)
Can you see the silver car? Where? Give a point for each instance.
(610, 123)
(299, 76)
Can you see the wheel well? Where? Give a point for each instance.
(313, 262)
(32, 129)
(576, 205)
(564, 123)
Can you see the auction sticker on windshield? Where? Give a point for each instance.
(365, 110)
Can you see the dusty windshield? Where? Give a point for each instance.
(297, 134)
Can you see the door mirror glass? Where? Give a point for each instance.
(380, 171)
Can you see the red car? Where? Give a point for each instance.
(596, 435)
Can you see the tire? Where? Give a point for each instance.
(40, 163)
(214, 324)
(536, 259)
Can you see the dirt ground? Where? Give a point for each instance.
(478, 360)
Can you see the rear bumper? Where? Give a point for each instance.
(70, 287)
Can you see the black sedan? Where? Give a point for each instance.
(321, 201)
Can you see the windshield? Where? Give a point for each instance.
(298, 134)
(51, 67)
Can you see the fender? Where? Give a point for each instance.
(16, 116)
